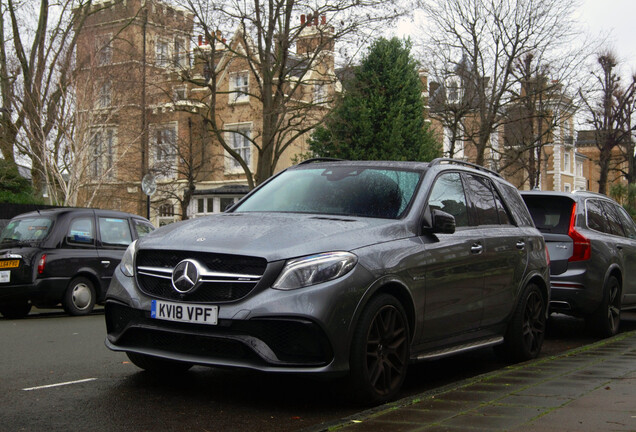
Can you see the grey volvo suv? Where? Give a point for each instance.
(342, 268)
(592, 245)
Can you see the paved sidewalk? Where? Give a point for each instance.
(592, 388)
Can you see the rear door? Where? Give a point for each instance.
(552, 216)
(623, 225)
(504, 249)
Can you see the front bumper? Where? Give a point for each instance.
(305, 330)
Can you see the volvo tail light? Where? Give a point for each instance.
(41, 264)
(582, 249)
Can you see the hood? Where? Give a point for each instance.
(274, 236)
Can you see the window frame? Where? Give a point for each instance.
(242, 131)
(239, 93)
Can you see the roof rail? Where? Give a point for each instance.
(440, 161)
(319, 159)
(591, 193)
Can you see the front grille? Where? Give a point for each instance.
(230, 278)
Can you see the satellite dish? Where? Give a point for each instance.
(149, 184)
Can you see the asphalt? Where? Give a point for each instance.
(592, 388)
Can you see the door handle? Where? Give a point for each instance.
(105, 263)
(476, 248)
(521, 244)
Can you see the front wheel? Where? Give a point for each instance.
(526, 330)
(79, 298)
(380, 351)
(157, 364)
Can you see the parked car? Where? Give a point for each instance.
(339, 267)
(592, 245)
(63, 255)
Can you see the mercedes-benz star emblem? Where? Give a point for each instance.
(186, 276)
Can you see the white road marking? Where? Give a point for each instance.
(59, 384)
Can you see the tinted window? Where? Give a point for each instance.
(448, 195)
(114, 231)
(142, 227)
(343, 190)
(551, 214)
(613, 220)
(627, 222)
(26, 229)
(483, 200)
(595, 218)
(516, 205)
(81, 231)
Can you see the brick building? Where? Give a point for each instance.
(144, 94)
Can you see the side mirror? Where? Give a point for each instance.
(443, 223)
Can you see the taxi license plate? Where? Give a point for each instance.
(184, 312)
(9, 264)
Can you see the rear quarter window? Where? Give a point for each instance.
(516, 205)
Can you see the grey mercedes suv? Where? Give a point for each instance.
(341, 268)
(592, 245)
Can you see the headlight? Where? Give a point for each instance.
(127, 264)
(315, 269)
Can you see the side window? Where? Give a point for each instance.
(448, 195)
(481, 195)
(516, 205)
(595, 218)
(142, 227)
(81, 232)
(114, 231)
(627, 222)
(613, 221)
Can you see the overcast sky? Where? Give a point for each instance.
(617, 19)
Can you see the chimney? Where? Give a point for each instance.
(302, 19)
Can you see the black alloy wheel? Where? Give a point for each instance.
(380, 350)
(606, 320)
(526, 329)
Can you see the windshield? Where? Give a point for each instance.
(28, 230)
(346, 191)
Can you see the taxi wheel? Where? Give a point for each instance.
(15, 310)
(79, 298)
(157, 364)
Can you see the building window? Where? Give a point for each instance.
(104, 99)
(179, 93)
(102, 153)
(567, 187)
(161, 53)
(239, 87)
(239, 141)
(214, 204)
(104, 49)
(320, 93)
(566, 162)
(579, 169)
(166, 214)
(165, 151)
(453, 90)
(180, 54)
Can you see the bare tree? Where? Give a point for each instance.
(287, 47)
(487, 39)
(609, 108)
(36, 68)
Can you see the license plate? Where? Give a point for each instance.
(5, 276)
(9, 264)
(184, 312)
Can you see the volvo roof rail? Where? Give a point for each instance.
(320, 159)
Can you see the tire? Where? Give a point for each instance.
(157, 364)
(79, 298)
(379, 351)
(526, 330)
(605, 321)
(15, 310)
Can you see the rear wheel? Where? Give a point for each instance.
(157, 364)
(15, 310)
(79, 298)
(380, 351)
(605, 321)
(526, 329)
